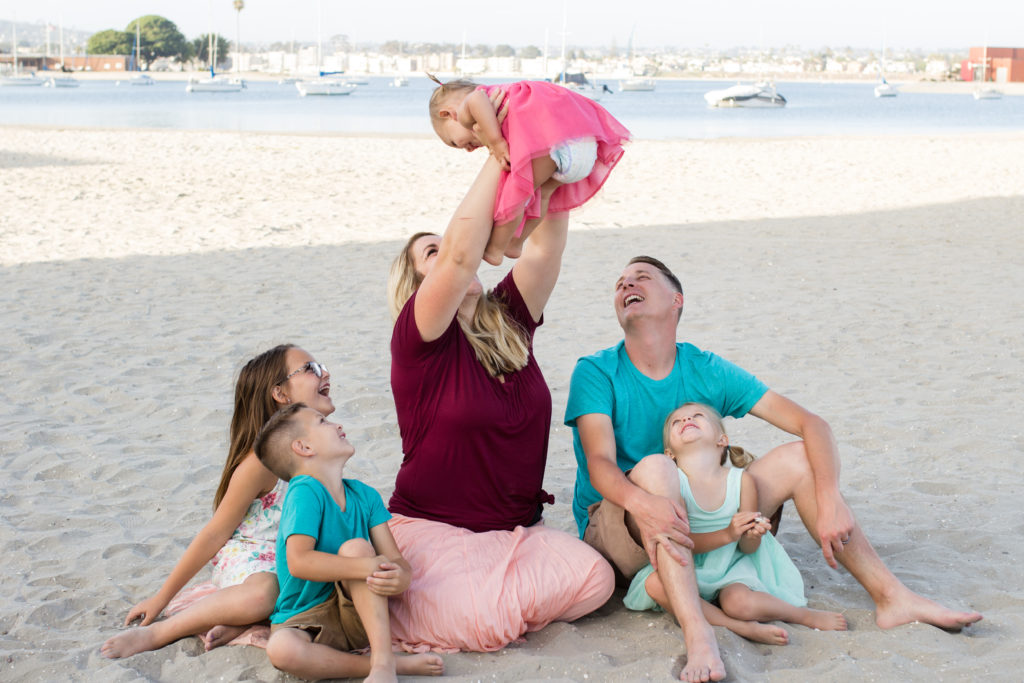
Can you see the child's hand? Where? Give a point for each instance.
(742, 522)
(762, 525)
(388, 579)
(499, 150)
(147, 610)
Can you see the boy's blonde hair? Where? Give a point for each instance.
(500, 344)
(443, 91)
(739, 456)
(274, 442)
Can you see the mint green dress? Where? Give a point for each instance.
(767, 569)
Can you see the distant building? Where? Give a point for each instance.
(999, 64)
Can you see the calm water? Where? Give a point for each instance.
(675, 110)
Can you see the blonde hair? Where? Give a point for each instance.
(740, 457)
(500, 344)
(443, 90)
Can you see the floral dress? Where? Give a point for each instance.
(251, 549)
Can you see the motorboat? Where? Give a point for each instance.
(987, 92)
(741, 95)
(29, 79)
(61, 82)
(141, 79)
(400, 82)
(579, 84)
(886, 89)
(636, 84)
(215, 84)
(325, 85)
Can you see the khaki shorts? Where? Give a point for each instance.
(334, 623)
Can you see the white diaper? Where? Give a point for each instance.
(574, 159)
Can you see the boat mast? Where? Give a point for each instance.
(564, 14)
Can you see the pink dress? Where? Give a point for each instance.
(540, 116)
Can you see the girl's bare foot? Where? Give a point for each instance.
(769, 634)
(221, 635)
(426, 664)
(823, 621)
(130, 642)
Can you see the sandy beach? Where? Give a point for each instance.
(877, 281)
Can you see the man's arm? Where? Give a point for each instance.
(658, 518)
(835, 520)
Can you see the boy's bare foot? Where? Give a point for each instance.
(221, 635)
(426, 664)
(703, 662)
(769, 634)
(824, 621)
(130, 642)
(907, 607)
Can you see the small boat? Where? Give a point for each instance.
(740, 95)
(636, 84)
(141, 79)
(987, 92)
(325, 85)
(61, 82)
(400, 82)
(886, 89)
(28, 79)
(215, 84)
(579, 84)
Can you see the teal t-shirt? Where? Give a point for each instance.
(608, 383)
(309, 510)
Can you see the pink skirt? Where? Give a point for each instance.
(482, 591)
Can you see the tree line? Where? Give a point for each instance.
(158, 37)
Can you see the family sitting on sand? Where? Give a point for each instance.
(461, 559)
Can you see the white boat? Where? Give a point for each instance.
(19, 79)
(636, 84)
(141, 79)
(61, 82)
(325, 85)
(886, 89)
(985, 91)
(400, 82)
(740, 95)
(215, 84)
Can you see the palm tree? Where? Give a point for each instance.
(239, 6)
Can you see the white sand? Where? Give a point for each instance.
(879, 282)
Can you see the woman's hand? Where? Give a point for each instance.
(147, 611)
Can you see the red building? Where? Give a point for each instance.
(999, 64)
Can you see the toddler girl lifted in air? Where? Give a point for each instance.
(735, 558)
(557, 146)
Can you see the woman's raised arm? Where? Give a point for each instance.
(459, 256)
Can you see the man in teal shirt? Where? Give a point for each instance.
(618, 400)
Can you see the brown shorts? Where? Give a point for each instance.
(333, 622)
(607, 534)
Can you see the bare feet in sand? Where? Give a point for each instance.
(221, 635)
(703, 662)
(822, 620)
(130, 642)
(769, 634)
(427, 664)
(907, 607)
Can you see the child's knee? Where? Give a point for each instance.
(357, 547)
(264, 590)
(733, 601)
(283, 649)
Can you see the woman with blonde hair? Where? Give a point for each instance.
(474, 413)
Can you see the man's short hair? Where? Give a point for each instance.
(650, 260)
(274, 442)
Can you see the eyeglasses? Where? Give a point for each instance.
(312, 366)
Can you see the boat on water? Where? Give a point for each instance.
(987, 92)
(61, 82)
(743, 95)
(636, 84)
(214, 83)
(19, 79)
(141, 79)
(886, 89)
(580, 84)
(324, 85)
(400, 82)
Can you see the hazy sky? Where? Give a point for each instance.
(659, 23)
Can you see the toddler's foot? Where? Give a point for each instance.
(493, 255)
(824, 621)
(769, 634)
(427, 664)
(130, 642)
(221, 635)
(514, 250)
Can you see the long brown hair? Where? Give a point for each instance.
(500, 344)
(254, 404)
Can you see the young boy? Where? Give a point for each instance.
(337, 561)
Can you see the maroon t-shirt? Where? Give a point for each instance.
(474, 448)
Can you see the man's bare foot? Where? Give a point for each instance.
(221, 635)
(130, 642)
(703, 662)
(822, 620)
(769, 634)
(907, 607)
(427, 664)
